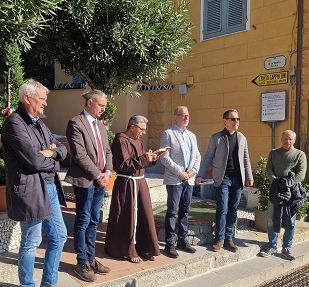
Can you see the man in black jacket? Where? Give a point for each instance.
(32, 155)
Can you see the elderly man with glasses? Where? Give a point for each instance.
(131, 232)
(181, 163)
(228, 156)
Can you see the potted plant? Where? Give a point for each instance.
(262, 183)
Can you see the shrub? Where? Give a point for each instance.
(304, 210)
(262, 183)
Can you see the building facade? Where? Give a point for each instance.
(244, 56)
(247, 55)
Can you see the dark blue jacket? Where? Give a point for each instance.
(26, 189)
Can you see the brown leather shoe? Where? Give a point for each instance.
(85, 272)
(217, 246)
(99, 268)
(230, 246)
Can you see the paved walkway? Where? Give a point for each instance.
(161, 272)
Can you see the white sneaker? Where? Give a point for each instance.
(268, 252)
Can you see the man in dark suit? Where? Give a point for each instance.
(32, 155)
(89, 173)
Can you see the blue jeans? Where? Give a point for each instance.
(273, 236)
(228, 196)
(31, 237)
(178, 204)
(88, 205)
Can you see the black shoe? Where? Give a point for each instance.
(170, 251)
(186, 247)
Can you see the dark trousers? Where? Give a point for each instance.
(88, 204)
(228, 196)
(178, 204)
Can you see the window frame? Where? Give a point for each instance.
(225, 30)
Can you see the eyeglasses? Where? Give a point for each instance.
(141, 129)
(183, 116)
(233, 119)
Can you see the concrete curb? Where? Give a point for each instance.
(182, 270)
(210, 262)
(252, 272)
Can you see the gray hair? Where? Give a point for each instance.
(136, 119)
(289, 132)
(30, 88)
(179, 109)
(93, 94)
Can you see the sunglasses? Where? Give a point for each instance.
(233, 119)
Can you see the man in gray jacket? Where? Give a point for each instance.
(228, 156)
(181, 163)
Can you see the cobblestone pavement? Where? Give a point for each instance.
(296, 278)
(8, 275)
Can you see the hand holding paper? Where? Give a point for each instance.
(162, 150)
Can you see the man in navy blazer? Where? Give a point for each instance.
(228, 156)
(33, 190)
(181, 164)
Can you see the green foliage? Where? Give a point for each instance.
(21, 20)
(114, 44)
(304, 210)
(110, 112)
(109, 116)
(13, 77)
(110, 136)
(262, 183)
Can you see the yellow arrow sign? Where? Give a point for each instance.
(271, 79)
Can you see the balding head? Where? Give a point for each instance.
(288, 138)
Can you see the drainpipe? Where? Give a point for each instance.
(300, 17)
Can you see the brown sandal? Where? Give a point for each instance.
(149, 257)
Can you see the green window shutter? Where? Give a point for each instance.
(236, 15)
(212, 18)
(223, 17)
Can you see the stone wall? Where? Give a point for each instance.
(9, 233)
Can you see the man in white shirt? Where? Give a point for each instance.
(181, 163)
(89, 173)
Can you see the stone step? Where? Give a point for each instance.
(208, 263)
(251, 272)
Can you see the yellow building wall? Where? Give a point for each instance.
(65, 104)
(304, 129)
(223, 68)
